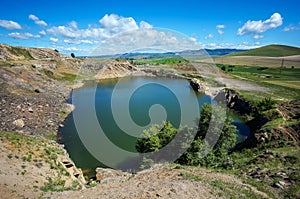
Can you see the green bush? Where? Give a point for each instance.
(200, 151)
(264, 105)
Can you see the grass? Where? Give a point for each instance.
(68, 77)
(64, 76)
(270, 51)
(18, 51)
(4, 64)
(159, 61)
(283, 83)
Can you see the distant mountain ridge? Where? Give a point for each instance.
(186, 53)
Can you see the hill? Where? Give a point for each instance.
(20, 53)
(270, 51)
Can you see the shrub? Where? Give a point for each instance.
(264, 105)
(200, 151)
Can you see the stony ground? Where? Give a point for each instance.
(167, 181)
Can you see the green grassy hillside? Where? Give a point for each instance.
(270, 51)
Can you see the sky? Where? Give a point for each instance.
(116, 26)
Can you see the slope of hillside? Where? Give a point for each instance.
(19, 53)
(270, 51)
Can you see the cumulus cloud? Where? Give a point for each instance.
(144, 24)
(258, 27)
(37, 20)
(116, 24)
(10, 25)
(220, 29)
(110, 25)
(209, 36)
(54, 39)
(157, 39)
(17, 35)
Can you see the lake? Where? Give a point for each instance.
(111, 114)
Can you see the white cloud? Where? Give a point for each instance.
(219, 29)
(73, 24)
(290, 28)
(43, 33)
(72, 49)
(257, 36)
(68, 41)
(17, 35)
(221, 32)
(192, 39)
(258, 27)
(37, 20)
(156, 39)
(117, 24)
(221, 26)
(110, 25)
(209, 36)
(54, 39)
(10, 25)
(144, 24)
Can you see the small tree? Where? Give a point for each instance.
(72, 55)
(198, 151)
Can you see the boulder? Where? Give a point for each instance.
(19, 123)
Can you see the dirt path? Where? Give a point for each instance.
(211, 72)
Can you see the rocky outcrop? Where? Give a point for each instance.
(234, 101)
(198, 85)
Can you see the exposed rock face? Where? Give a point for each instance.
(198, 86)
(234, 101)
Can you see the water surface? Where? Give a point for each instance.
(151, 100)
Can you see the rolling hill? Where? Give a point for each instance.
(270, 51)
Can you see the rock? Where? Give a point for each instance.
(278, 185)
(105, 174)
(234, 101)
(198, 85)
(282, 183)
(30, 110)
(19, 123)
(99, 176)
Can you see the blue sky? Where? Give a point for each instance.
(73, 26)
